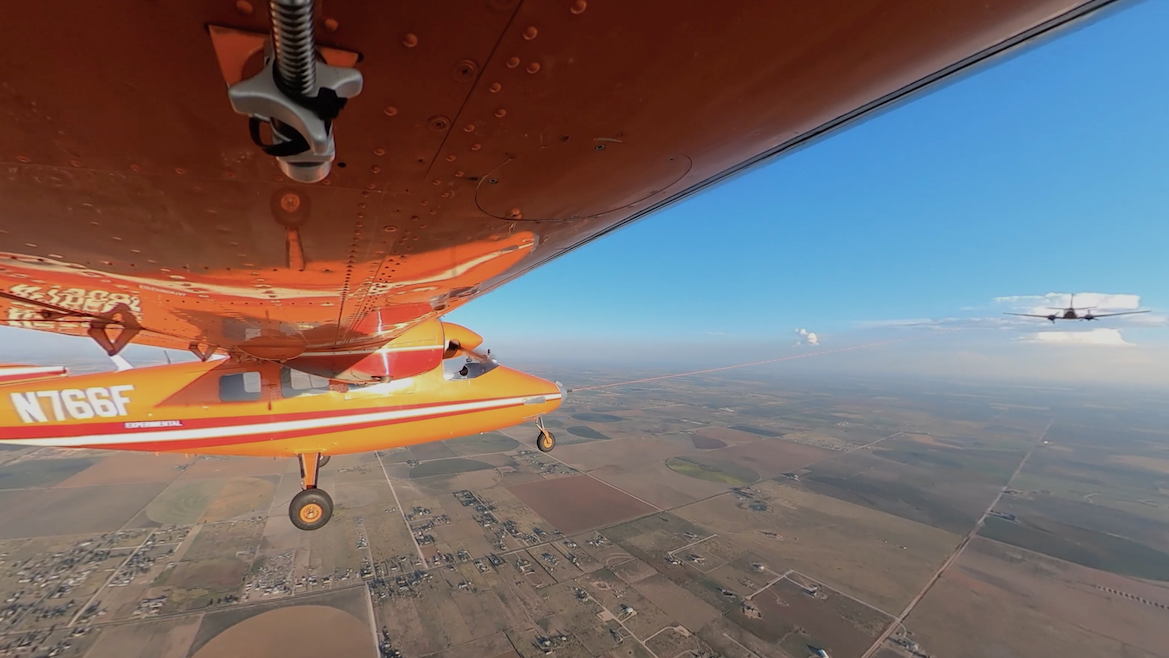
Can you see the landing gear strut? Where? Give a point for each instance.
(545, 442)
(311, 508)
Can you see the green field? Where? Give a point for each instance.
(478, 444)
(447, 467)
(42, 472)
(586, 432)
(712, 470)
(756, 430)
(590, 417)
(1091, 549)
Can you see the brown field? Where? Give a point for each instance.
(334, 633)
(774, 456)
(1158, 464)
(689, 610)
(128, 469)
(239, 497)
(165, 639)
(848, 547)
(964, 617)
(217, 574)
(577, 503)
(626, 453)
(1085, 597)
(495, 646)
(729, 435)
(659, 485)
(797, 620)
(733, 641)
(76, 510)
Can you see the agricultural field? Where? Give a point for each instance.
(739, 514)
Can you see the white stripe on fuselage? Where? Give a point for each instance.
(328, 424)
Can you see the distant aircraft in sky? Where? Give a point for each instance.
(1072, 313)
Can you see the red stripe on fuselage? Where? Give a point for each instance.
(50, 431)
(195, 444)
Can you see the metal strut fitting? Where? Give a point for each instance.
(296, 94)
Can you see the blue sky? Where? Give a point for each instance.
(1047, 172)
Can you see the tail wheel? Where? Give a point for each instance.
(545, 442)
(310, 509)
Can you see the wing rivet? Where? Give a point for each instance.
(379, 152)
(439, 124)
(391, 110)
(390, 229)
(436, 182)
(500, 113)
(459, 174)
(533, 67)
(450, 158)
(513, 62)
(530, 33)
(495, 87)
(469, 128)
(476, 147)
(244, 7)
(376, 169)
(331, 24)
(578, 7)
(465, 70)
(410, 40)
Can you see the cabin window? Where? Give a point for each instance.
(240, 387)
(295, 382)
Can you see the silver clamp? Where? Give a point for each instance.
(302, 125)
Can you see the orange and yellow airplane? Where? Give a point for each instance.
(297, 192)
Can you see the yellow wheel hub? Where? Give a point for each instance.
(311, 512)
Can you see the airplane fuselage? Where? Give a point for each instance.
(262, 409)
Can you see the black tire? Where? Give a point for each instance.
(545, 442)
(322, 460)
(310, 509)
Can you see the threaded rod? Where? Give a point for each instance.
(293, 44)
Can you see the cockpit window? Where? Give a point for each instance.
(240, 387)
(294, 383)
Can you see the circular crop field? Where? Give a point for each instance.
(448, 467)
(299, 631)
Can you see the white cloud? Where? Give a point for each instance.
(1101, 336)
(806, 336)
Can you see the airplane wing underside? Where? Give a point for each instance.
(490, 137)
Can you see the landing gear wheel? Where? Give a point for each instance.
(322, 460)
(545, 442)
(310, 509)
